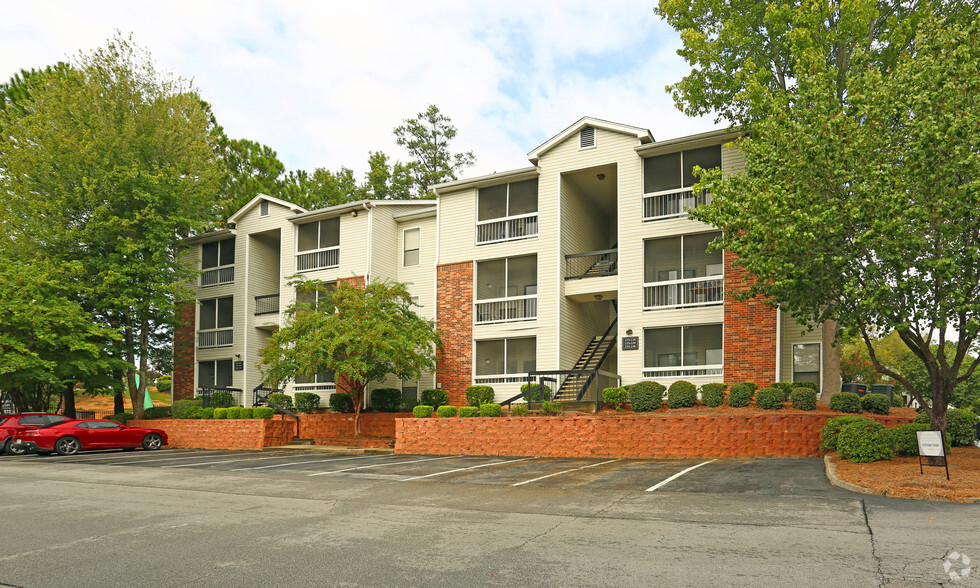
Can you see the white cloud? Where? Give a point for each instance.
(325, 82)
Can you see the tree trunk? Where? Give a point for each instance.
(830, 366)
(117, 403)
(358, 400)
(69, 395)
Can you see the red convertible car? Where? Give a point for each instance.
(70, 437)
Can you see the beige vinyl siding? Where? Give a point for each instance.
(732, 159)
(384, 243)
(419, 278)
(791, 334)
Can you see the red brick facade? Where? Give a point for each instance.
(454, 311)
(183, 382)
(789, 435)
(750, 333)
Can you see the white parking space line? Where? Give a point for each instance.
(206, 455)
(190, 465)
(381, 465)
(566, 471)
(127, 455)
(282, 465)
(678, 475)
(482, 465)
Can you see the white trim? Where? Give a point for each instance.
(234, 218)
(642, 135)
(404, 251)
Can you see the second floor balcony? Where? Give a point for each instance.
(673, 203)
(684, 293)
(503, 310)
(217, 276)
(319, 259)
(268, 304)
(508, 228)
(211, 338)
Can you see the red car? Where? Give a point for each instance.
(70, 437)
(12, 424)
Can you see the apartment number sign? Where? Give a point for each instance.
(631, 343)
(239, 366)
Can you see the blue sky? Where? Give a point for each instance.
(325, 82)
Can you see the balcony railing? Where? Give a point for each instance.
(215, 338)
(680, 293)
(502, 310)
(268, 304)
(507, 228)
(673, 203)
(316, 260)
(591, 264)
(684, 371)
(317, 387)
(218, 275)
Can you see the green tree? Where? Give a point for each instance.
(15, 95)
(427, 138)
(108, 168)
(386, 181)
(863, 208)
(360, 334)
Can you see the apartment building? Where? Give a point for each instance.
(580, 271)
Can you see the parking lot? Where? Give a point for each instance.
(216, 518)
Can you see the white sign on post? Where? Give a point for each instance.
(930, 443)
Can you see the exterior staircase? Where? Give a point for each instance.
(574, 386)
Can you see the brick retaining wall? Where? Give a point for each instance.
(757, 435)
(340, 426)
(223, 433)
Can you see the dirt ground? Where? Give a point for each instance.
(701, 410)
(900, 477)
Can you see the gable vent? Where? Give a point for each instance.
(586, 137)
(264, 208)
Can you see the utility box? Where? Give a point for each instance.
(859, 389)
(886, 389)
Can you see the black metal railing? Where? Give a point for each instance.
(206, 393)
(268, 304)
(591, 264)
(260, 396)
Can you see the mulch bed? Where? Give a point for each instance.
(724, 410)
(900, 477)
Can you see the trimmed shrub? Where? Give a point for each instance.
(803, 398)
(193, 412)
(830, 430)
(234, 412)
(682, 394)
(180, 407)
(339, 402)
(845, 402)
(435, 397)
(713, 394)
(865, 441)
(923, 418)
(407, 405)
(121, 418)
(646, 396)
(163, 384)
(477, 395)
(615, 396)
(263, 412)
(221, 399)
(422, 411)
(518, 410)
(535, 392)
(876, 403)
(752, 386)
(247, 413)
(446, 411)
(906, 442)
(490, 410)
(549, 408)
(283, 400)
(157, 412)
(466, 412)
(784, 387)
(897, 400)
(770, 398)
(206, 413)
(961, 427)
(308, 402)
(386, 399)
(221, 413)
(811, 385)
(740, 395)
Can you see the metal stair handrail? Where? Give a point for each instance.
(259, 398)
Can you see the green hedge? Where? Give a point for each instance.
(906, 442)
(180, 407)
(770, 398)
(865, 441)
(616, 397)
(283, 400)
(446, 411)
(803, 398)
(740, 395)
(435, 397)
(810, 385)
(682, 394)
(646, 396)
(247, 413)
(221, 413)
(339, 402)
(157, 412)
(897, 400)
(466, 412)
(549, 408)
(221, 399)
(784, 387)
(121, 418)
(477, 395)
(422, 411)
(752, 386)
(876, 403)
(960, 426)
(307, 402)
(535, 392)
(845, 402)
(490, 410)
(193, 412)
(263, 412)
(206, 413)
(713, 394)
(234, 412)
(518, 410)
(830, 430)
(407, 405)
(386, 399)
(164, 383)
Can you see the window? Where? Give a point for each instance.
(411, 243)
(214, 374)
(410, 389)
(218, 253)
(506, 289)
(507, 211)
(316, 295)
(264, 208)
(216, 313)
(668, 179)
(679, 351)
(323, 382)
(498, 357)
(680, 271)
(324, 378)
(318, 245)
(806, 362)
(586, 138)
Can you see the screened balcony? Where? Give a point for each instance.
(679, 272)
(318, 245)
(506, 290)
(507, 212)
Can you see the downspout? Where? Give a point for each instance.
(779, 340)
(370, 241)
(435, 284)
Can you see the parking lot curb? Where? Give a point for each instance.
(831, 469)
(331, 449)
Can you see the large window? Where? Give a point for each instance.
(411, 245)
(680, 271)
(806, 362)
(506, 289)
(505, 360)
(667, 180)
(318, 245)
(215, 322)
(218, 262)
(507, 212)
(316, 295)
(316, 383)
(683, 351)
(214, 374)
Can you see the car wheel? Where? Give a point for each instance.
(9, 449)
(68, 446)
(152, 441)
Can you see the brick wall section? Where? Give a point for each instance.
(340, 426)
(454, 311)
(789, 435)
(223, 434)
(750, 333)
(183, 381)
(354, 280)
